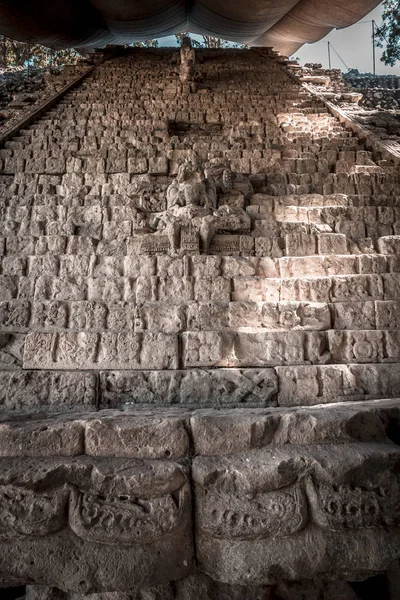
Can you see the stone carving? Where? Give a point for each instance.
(109, 518)
(233, 188)
(227, 245)
(219, 387)
(22, 389)
(24, 512)
(277, 513)
(94, 351)
(345, 506)
(188, 57)
(11, 350)
(191, 200)
(289, 298)
(192, 214)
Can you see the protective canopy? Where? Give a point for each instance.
(282, 24)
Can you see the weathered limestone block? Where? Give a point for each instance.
(389, 244)
(14, 315)
(307, 385)
(262, 515)
(364, 346)
(41, 437)
(50, 288)
(21, 389)
(233, 266)
(281, 315)
(128, 522)
(300, 244)
(235, 431)
(51, 315)
(8, 287)
(207, 316)
(387, 315)
(354, 315)
(391, 286)
(206, 266)
(87, 315)
(97, 351)
(222, 387)
(136, 436)
(252, 289)
(216, 289)
(332, 243)
(358, 287)
(175, 289)
(255, 349)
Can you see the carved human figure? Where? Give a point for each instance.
(191, 202)
(187, 61)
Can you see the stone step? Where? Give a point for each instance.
(318, 251)
(50, 209)
(210, 349)
(19, 316)
(175, 290)
(355, 208)
(292, 386)
(144, 433)
(97, 265)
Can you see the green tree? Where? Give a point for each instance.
(146, 44)
(209, 41)
(19, 54)
(389, 32)
(195, 43)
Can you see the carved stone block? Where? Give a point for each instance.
(256, 506)
(41, 437)
(153, 244)
(14, 315)
(357, 346)
(354, 315)
(243, 349)
(37, 389)
(96, 351)
(232, 244)
(222, 387)
(80, 512)
(136, 436)
(306, 385)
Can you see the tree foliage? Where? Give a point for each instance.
(209, 41)
(388, 33)
(20, 54)
(146, 44)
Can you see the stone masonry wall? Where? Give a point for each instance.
(219, 259)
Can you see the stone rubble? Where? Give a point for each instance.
(199, 347)
(372, 101)
(21, 91)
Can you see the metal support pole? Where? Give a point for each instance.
(329, 55)
(29, 58)
(373, 46)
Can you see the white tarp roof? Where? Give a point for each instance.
(282, 24)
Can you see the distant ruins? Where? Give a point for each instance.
(200, 337)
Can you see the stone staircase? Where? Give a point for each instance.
(300, 310)
(313, 295)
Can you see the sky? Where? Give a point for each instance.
(353, 44)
